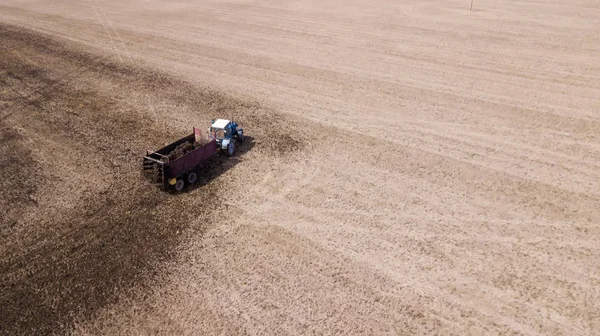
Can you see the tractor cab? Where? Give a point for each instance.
(224, 132)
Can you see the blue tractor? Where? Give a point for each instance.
(226, 133)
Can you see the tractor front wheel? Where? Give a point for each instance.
(231, 148)
(240, 135)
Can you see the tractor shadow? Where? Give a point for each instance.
(220, 164)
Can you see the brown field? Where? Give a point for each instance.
(412, 167)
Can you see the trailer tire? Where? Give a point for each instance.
(192, 178)
(179, 185)
(231, 148)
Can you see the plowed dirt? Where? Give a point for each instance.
(409, 168)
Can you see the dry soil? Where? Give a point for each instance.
(411, 167)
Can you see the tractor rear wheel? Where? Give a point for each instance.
(231, 148)
(179, 185)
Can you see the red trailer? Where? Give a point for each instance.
(172, 173)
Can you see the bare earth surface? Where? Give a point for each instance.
(412, 167)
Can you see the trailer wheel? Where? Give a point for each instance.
(179, 185)
(231, 148)
(192, 177)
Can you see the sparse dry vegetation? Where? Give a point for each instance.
(409, 168)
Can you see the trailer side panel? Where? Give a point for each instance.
(192, 159)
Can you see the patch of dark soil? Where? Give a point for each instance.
(112, 242)
(18, 178)
(98, 249)
(80, 260)
(272, 131)
(106, 243)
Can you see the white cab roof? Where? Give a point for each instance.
(220, 123)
